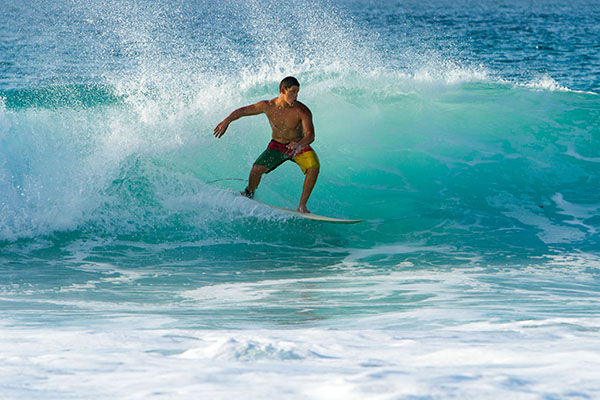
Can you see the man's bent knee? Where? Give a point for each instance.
(259, 169)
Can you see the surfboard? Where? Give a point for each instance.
(314, 217)
(311, 216)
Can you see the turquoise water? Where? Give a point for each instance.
(465, 134)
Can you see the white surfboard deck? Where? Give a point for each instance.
(315, 217)
(311, 216)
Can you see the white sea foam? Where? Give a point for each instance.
(573, 153)
(547, 83)
(526, 359)
(579, 212)
(534, 216)
(391, 250)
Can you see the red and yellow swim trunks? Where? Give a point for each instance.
(277, 153)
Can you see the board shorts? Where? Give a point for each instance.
(277, 153)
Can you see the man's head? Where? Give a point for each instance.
(287, 83)
(288, 89)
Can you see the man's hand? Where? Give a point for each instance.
(252, 109)
(221, 128)
(294, 148)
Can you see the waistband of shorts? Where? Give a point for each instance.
(275, 145)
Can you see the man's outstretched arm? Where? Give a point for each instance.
(252, 109)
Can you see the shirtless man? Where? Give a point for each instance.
(293, 132)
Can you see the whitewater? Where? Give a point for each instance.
(464, 134)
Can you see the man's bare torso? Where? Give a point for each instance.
(285, 120)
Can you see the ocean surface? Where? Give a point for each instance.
(465, 133)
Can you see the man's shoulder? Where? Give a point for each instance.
(303, 108)
(262, 106)
(266, 103)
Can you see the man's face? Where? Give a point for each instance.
(291, 94)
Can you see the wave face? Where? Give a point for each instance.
(423, 145)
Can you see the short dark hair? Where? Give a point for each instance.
(288, 82)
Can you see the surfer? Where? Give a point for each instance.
(293, 132)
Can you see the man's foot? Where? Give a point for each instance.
(247, 193)
(303, 210)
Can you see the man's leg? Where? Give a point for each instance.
(309, 183)
(256, 174)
